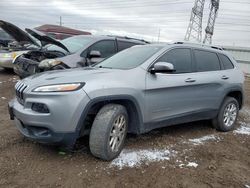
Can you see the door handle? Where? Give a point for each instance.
(190, 80)
(224, 77)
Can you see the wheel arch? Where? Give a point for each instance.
(237, 94)
(130, 103)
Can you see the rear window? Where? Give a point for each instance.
(227, 64)
(206, 61)
(122, 45)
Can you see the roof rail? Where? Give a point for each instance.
(198, 44)
(125, 37)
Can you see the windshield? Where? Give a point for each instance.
(72, 43)
(4, 35)
(130, 58)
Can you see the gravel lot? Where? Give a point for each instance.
(190, 155)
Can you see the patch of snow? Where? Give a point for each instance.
(247, 186)
(1, 82)
(243, 129)
(131, 158)
(192, 164)
(181, 165)
(4, 98)
(201, 140)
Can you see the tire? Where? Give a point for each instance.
(219, 123)
(106, 120)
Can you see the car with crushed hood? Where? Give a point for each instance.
(84, 50)
(31, 41)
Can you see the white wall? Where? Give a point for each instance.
(245, 67)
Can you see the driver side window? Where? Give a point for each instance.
(106, 48)
(180, 58)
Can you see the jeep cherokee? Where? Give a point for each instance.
(137, 90)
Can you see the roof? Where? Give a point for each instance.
(192, 45)
(61, 29)
(106, 37)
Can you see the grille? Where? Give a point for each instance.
(20, 87)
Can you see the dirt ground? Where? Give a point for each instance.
(221, 160)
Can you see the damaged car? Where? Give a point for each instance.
(33, 44)
(83, 50)
(18, 42)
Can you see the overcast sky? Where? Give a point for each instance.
(135, 18)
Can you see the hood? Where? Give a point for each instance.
(44, 39)
(18, 34)
(70, 75)
(22, 37)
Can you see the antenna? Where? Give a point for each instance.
(194, 30)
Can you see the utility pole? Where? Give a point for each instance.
(194, 30)
(214, 7)
(60, 20)
(159, 35)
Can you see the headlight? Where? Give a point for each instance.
(47, 63)
(59, 87)
(8, 55)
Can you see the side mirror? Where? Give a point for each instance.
(162, 67)
(94, 53)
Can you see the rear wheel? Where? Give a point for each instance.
(108, 132)
(227, 116)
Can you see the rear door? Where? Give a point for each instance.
(209, 79)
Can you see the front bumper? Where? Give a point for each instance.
(6, 63)
(59, 126)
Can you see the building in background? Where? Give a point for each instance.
(60, 32)
(242, 56)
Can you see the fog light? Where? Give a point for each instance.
(39, 107)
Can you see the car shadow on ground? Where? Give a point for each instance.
(171, 134)
(7, 71)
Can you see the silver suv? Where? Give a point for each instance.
(137, 90)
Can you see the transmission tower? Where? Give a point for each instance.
(214, 7)
(194, 30)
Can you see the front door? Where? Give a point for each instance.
(169, 95)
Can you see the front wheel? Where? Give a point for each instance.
(227, 116)
(108, 132)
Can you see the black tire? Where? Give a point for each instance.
(103, 125)
(218, 122)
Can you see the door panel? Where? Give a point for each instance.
(169, 95)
